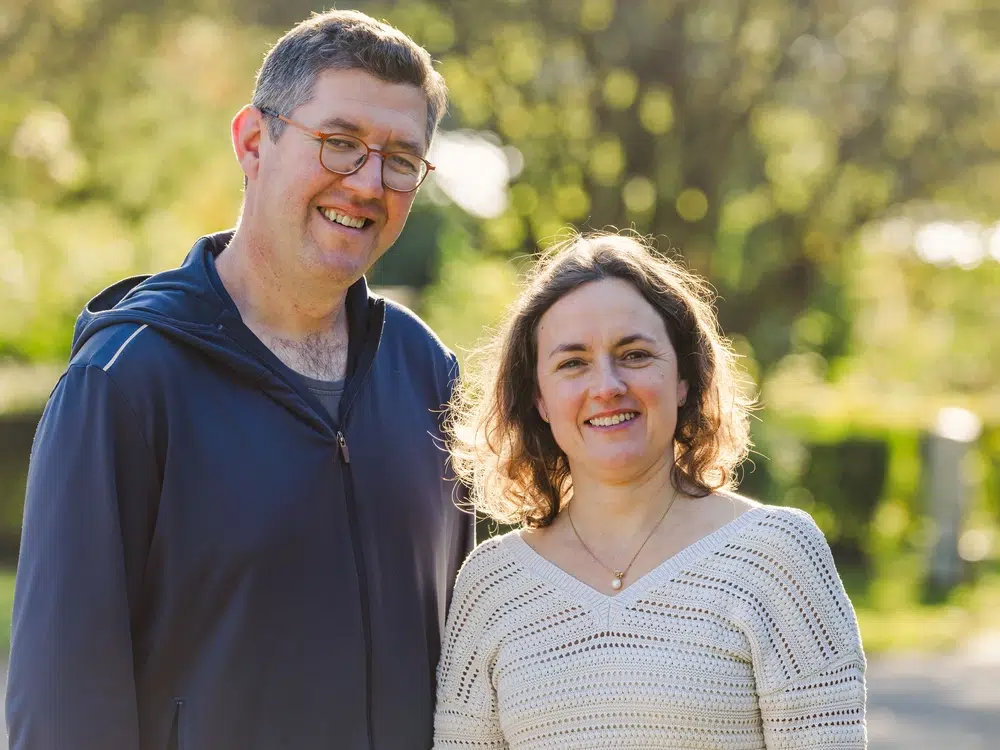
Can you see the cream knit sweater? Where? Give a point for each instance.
(744, 640)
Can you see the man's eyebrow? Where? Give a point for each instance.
(340, 125)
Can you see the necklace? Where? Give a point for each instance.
(616, 582)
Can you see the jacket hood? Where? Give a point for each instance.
(189, 304)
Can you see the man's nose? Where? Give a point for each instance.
(366, 183)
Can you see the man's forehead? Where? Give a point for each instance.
(369, 102)
(373, 107)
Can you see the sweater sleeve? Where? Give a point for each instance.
(466, 716)
(92, 487)
(808, 660)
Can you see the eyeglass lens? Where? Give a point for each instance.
(400, 170)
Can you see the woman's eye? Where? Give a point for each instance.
(569, 364)
(636, 356)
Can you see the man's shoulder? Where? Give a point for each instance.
(114, 344)
(402, 322)
(410, 338)
(129, 352)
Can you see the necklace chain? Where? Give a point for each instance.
(619, 575)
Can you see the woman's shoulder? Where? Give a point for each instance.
(491, 557)
(781, 545)
(790, 591)
(491, 583)
(786, 524)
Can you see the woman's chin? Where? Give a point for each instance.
(618, 469)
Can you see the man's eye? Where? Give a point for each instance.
(404, 164)
(341, 144)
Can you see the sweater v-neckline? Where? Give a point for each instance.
(539, 565)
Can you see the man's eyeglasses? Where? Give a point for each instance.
(344, 154)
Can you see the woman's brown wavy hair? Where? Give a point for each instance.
(503, 450)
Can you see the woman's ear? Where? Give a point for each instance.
(540, 406)
(682, 393)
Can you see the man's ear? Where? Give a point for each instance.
(247, 135)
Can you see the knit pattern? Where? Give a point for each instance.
(744, 640)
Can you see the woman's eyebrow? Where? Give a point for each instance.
(563, 348)
(631, 339)
(623, 341)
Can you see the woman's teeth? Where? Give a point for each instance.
(613, 419)
(347, 221)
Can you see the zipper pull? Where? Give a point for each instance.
(342, 441)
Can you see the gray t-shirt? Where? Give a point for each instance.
(328, 392)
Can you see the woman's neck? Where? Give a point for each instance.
(616, 512)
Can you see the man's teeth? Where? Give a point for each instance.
(347, 221)
(613, 419)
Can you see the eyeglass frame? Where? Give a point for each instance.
(322, 137)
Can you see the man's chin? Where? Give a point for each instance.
(341, 269)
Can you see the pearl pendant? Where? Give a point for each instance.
(616, 582)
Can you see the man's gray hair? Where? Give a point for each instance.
(344, 40)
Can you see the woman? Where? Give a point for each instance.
(642, 604)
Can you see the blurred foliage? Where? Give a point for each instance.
(793, 151)
(840, 483)
(114, 150)
(6, 607)
(758, 136)
(470, 292)
(892, 617)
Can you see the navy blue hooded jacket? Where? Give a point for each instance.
(209, 560)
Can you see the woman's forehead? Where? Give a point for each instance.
(607, 317)
(597, 305)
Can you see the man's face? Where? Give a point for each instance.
(298, 205)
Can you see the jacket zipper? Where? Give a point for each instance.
(361, 374)
(176, 728)
(359, 562)
(364, 366)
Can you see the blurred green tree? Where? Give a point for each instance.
(757, 137)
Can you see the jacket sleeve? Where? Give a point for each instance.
(93, 486)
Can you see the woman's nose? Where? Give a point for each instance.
(607, 381)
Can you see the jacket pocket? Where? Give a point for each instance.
(174, 743)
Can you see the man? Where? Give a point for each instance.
(239, 531)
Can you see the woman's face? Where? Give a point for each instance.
(608, 383)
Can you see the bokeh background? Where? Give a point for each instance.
(832, 166)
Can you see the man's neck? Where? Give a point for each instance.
(304, 323)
